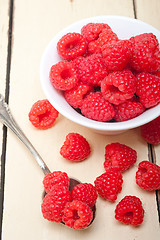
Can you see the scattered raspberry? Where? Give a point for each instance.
(75, 148)
(130, 211)
(148, 176)
(55, 178)
(119, 156)
(54, 202)
(151, 131)
(118, 86)
(109, 184)
(97, 108)
(42, 114)
(71, 46)
(77, 215)
(63, 76)
(148, 89)
(85, 192)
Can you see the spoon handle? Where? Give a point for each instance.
(7, 119)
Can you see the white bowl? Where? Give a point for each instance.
(124, 27)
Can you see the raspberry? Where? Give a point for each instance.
(151, 131)
(117, 54)
(130, 211)
(97, 108)
(92, 69)
(109, 184)
(42, 114)
(55, 178)
(118, 86)
(75, 148)
(85, 192)
(119, 156)
(148, 89)
(71, 46)
(54, 203)
(77, 215)
(63, 76)
(128, 110)
(148, 176)
(145, 54)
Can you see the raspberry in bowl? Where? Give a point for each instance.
(101, 73)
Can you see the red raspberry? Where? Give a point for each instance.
(97, 108)
(128, 110)
(118, 86)
(145, 54)
(151, 131)
(71, 46)
(148, 176)
(75, 148)
(130, 211)
(92, 69)
(55, 178)
(85, 192)
(148, 89)
(42, 114)
(63, 76)
(119, 156)
(109, 184)
(54, 203)
(77, 215)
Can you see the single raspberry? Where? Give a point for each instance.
(145, 54)
(130, 211)
(151, 131)
(119, 156)
(42, 114)
(128, 110)
(148, 176)
(148, 89)
(85, 192)
(109, 184)
(54, 203)
(75, 148)
(117, 54)
(77, 215)
(92, 69)
(71, 46)
(63, 76)
(55, 178)
(118, 86)
(97, 108)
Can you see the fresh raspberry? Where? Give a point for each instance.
(130, 211)
(119, 156)
(145, 54)
(148, 89)
(97, 108)
(128, 110)
(75, 148)
(77, 215)
(92, 69)
(148, 176)
(118, 86)
(71, 46)
(109, 184)
(55, 178)
(151, 131)
(54, 203)
(117, 54)
(63, 76)
(85, 192)
(42, 114)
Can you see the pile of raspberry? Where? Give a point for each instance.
(106, 78)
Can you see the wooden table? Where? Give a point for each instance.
(26, 27)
